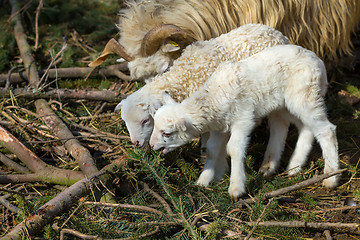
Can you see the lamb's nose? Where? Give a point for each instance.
(136, 144)
(152, 146)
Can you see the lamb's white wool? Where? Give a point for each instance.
(190, 71)
(280, 80)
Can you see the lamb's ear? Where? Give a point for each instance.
(154, 106)
(167, 98)
(182, 124)
(118, 107)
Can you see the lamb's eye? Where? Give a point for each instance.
(146, 121)
(165, 134)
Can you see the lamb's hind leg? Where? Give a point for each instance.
(278, 131)
(313, 116)
(216, 163)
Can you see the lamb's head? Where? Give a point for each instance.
(159, 48)
(136, 112)
(171, 128)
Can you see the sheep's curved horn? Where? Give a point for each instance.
(111, 47)
(154, 38)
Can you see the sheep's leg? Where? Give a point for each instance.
(216, 163)
(236, 148)
(278, 132)
(302, 149)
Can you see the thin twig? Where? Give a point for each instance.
(128, 206)
(321, 225)
(159, 198)
(258, 220)
(296, 186)
(37, 24)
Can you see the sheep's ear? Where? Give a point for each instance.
(170, 46)
(154, 106)
(167, 98)
(119, 106)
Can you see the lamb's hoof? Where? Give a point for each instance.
(205, 178)
(236, 192)
(266, 170)
(293, 171)
(331, 182)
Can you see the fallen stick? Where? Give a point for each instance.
(75, 72)
(43, 171)
(19, 178)
(24, 47)
(46, 213)
(58, 127)
(11, 164)
(8, 205)
(104, 95)
(306, 224)
(294, 187)
(126, 206)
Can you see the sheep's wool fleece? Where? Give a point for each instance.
(323, 26)
(278, 77)
(200, 60)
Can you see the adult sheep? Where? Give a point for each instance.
(147, 27)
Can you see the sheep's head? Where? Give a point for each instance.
(137, 116)
(171, 128)
(159, 48)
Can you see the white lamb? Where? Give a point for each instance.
(278, 79)
(188, 73)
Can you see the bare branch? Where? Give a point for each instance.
(43, 171)
(104, 95)
(77, 151)
(11, 164)
(323, 225)
(46, 213)
(75, 72)
(294, 187)
(24, 47)
(128, 206)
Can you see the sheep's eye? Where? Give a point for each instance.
(164, 134)
(146, 121)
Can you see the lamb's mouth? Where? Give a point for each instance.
(166, 150)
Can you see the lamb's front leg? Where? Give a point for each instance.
(236, 148)
(216, 163)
